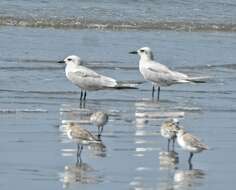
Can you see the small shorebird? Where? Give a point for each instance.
(99, 119)
(169, 130)
(158, 74)
(190, 143)
(89, 80)
(80, 136)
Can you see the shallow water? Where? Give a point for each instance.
(36, 99)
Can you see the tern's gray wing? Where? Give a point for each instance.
(165, 74)
(86, 72)
(89, 79)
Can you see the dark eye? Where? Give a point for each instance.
(69, 59)
(142, 50)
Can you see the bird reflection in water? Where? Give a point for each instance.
(147, 112)
(97, 149)
(81, 173)
(168, 160)
(168, 165)
(176, 178)
(82, 104)
(187, 179)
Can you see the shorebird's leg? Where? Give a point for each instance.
(153, 91)
(81, 94)
(190, 166)
(79, 151)
(99, 134)
(78, 154)
(85, 93)
(101, 129)
(190, 158)
(81, 148)
(168, 146)
(189, 161)
(158, 93)
(173, 145)
(79, 161)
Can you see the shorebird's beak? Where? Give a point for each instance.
(133, 52)
(62, 61)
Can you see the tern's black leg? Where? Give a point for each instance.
(82, 104)
(168, 145)
(158, 93)
(153, 91)
(190, 166)
(85, 94)
(81, 94)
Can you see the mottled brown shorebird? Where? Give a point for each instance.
(81, 137)
(169, 130)
(190, 143)
(99, 119)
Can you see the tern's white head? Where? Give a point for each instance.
(145, 53)
(72, 60)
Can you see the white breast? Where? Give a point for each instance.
(186, 146)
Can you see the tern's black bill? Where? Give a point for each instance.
(133, 52)
(61, 61)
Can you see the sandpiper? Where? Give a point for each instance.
(190, 143)
(81, 137)
(169, 130)
(99, 119)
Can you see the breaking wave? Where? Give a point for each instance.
(80, 23)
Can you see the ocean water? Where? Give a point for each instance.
(197, 38)
(218, 15)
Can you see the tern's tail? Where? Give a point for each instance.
(127, 84)
(198, 79)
